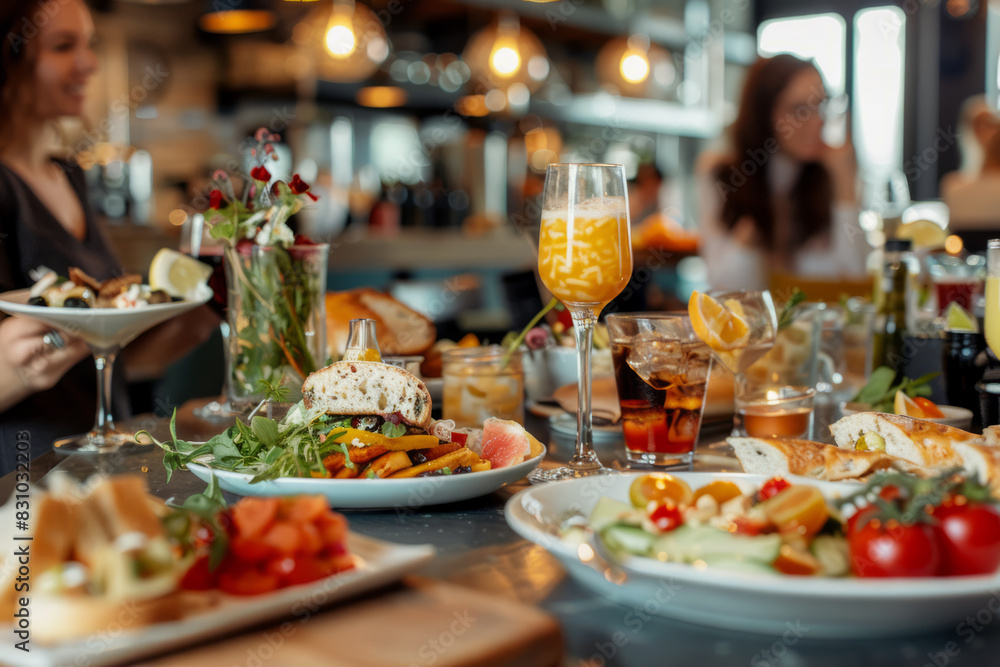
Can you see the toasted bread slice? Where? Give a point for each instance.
(921, 442)
(790, 456)
(369, 388)
(400, 330)
(981, 461)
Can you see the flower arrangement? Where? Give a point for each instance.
(276, 279)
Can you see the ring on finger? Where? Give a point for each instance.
(53, 341)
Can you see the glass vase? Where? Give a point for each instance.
(277, 319)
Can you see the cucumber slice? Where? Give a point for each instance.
(609, 511)
(631, 539)
(833, 554)
(690, 543)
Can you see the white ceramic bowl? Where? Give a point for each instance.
(953, 415)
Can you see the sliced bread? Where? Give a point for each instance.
(921, 442)
(369, 388)
(789, 456)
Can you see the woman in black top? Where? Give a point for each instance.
(46, 392)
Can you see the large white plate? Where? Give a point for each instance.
(828, 607)
(411, 492)
(377, 563)
(102, 327)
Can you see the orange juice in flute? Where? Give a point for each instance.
(585, 260)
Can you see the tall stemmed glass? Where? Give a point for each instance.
(740, 334)
(993, 295)
(585, 260)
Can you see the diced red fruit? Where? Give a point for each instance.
(311, 540)
(250, 550)
(304, 509)
(742, 525)
(198, 577)
(239, 579)
(283, 537)
(460, 438)
(505, 442)
(253, 516)
(333, 528)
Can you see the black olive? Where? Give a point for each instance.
(75, 302)
(416, 457)
(37, 301)
(461, 470)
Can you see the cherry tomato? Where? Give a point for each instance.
(300, 570)
(772, 487)
(666, 517)
(970, 537)
(893, 549)
(890, 493)
(929, 408)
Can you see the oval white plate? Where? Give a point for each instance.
(411, 492)
(953, 415)
(827, 607)
(102, 327)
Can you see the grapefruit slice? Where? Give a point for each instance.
(505, 442)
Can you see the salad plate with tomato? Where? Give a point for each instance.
(897, 555)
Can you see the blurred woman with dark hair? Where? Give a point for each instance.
(780, 200)
(47, 383)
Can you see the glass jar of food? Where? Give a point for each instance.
(482, 382)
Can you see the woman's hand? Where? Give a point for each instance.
(28, 363)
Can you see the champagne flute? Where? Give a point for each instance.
(585, 260)
(993, 295)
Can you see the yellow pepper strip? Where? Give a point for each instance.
(402, 443)
(459, 457)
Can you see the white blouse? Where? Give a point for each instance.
(732, 265)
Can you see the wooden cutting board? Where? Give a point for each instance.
(422, 622)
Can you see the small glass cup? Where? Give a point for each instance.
(661, 371)
(409, 363)
(775, 412)
(482, 382)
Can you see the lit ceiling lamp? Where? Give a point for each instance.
(345, 42)
(634, 67)
(237, 17)
(506, 54)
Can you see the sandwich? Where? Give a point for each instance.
(370, 394)
(924, 443)
(96, 551)
(790, 456)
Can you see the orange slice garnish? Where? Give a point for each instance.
(722, 326)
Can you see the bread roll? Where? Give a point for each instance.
(924, 443)
(368, 388)
(400, 330)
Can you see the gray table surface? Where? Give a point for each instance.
(476, 548)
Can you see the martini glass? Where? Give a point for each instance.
(585, 260)
(106, 331)
(762, 326)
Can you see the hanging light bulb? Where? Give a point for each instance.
(340, 40)
(634, 67)
(634, 64)
(504, 59)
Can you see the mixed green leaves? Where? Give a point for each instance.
(880, 391)
(265, 448)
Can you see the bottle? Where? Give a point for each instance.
(963, 369)
(890, 324)
(361, 342)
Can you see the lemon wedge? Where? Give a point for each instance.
(923, 233)
(722, 326)
(177, 274)
(959, 319)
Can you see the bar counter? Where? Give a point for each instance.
(476, 549)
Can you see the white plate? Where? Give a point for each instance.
(828, 607)
(101, 327)
(377, 563)
(410, 492)
(953, 415)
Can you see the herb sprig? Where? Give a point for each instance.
(266, 448)
(880, 391)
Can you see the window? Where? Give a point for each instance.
(820, 37)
